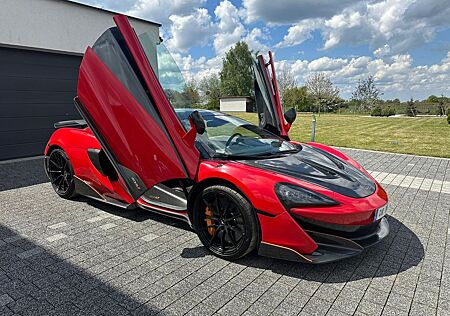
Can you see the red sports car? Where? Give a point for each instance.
(241, 187)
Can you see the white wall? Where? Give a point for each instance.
(233, 105)
(58, 25)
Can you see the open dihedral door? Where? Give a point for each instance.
(268, 104)
(123, 102)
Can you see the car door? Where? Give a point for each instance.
(268, 104)
(122, 101)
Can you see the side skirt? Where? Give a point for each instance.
(83, 188)
(180, 215)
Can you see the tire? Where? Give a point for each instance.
(61, 174)
(228, 228)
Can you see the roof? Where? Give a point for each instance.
(236, 97)
(109, 11)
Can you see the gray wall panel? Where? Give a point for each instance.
(36, 90)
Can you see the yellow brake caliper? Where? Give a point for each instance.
(209, 221)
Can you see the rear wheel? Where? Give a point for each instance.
(225, 222)
(61, 174)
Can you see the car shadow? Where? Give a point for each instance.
(22, 173)
(34, 280)
(399, 251)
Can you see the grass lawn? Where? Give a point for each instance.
(427, 136)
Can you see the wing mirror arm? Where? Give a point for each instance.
(198, 126)
(290, 116)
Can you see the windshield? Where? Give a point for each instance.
(229, 136)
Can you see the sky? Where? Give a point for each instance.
(404, 44)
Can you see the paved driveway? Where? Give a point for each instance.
(61, 257)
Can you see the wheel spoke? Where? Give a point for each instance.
(216, 202)
(233, 218)
(61, 182)
(55, 164)
(56, 179)
(66, 181)
(222, 241)
(232, 238)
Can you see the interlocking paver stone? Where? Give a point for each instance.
(60, 257)
(56, 237)
(58, 225)
(5, 299)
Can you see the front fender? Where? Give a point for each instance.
(278, 228)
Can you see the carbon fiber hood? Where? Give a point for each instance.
(321, 168)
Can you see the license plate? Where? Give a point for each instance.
(379, 213)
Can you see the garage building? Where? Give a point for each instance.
(236, 104)
(41, 47)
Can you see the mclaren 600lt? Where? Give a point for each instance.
(239, 186)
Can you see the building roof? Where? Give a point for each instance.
(109, 11)
(236, 97)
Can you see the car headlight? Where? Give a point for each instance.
(291, 196)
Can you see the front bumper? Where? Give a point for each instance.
(335, 242)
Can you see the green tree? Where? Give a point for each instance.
(285, 81)
(367, 94)
(236, 77)
(209, 88)
(322, 91)
(192, 93)
(432, 99)
(297, 98)
(411, 109)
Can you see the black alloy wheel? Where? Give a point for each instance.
(225, 222)
(60, 172)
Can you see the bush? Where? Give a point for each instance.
(448, 118)
(376, 111)
(387, 111)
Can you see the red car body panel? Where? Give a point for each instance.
(125, 125)
(284, 126)
(75, 143)
(188, 153)
(280, 228)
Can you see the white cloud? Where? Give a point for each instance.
(291, 11)
(395, 76)
(253, 40)
(161, 10)
(116, 5)
(230, 28)
(190, 30)
(326, 64)
(390, 27)
(300, 32)
(382, 51)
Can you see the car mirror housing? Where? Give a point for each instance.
(198, 126)
(290, 115)
(197, 122)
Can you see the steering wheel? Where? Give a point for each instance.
(227, 144)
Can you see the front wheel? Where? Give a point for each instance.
(61, 174)
(225, 222)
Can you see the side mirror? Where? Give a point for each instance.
(197, 122)
(290, 115)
